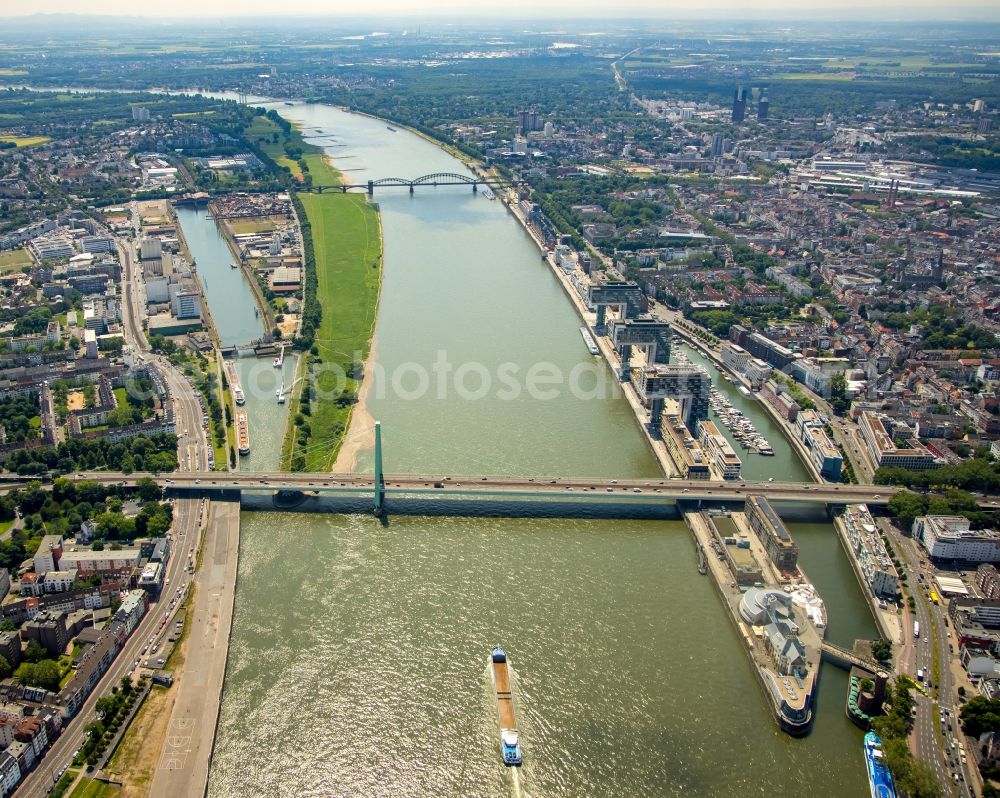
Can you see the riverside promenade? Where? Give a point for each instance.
(187, 750)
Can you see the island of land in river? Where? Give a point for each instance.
(343, 266)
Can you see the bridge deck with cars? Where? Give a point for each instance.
(492, 486)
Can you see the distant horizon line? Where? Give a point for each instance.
(831, 13)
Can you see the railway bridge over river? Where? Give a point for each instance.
(432, 181)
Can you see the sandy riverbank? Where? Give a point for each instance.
(360, 432)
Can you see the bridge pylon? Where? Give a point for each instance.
(379, 508)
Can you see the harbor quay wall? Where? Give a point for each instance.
(248, 273)
(206, 311)
(657, 448)
(870, 599)
(780, 423)
(698, 526)
(185, 761)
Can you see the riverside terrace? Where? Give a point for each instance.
(527, 488)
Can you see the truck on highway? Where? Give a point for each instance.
(916, 629)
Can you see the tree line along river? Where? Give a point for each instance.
(358, 653)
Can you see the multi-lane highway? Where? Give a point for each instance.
(936, 734)
(188, 513)
(184, 536)
(669, 489)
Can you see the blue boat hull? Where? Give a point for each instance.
(879, 777)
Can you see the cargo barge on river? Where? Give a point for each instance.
(510, 746)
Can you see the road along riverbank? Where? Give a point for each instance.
(187, 752)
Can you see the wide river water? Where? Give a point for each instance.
(357, 663)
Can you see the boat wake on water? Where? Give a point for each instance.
(516, 790)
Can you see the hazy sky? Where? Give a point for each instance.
(507, 8)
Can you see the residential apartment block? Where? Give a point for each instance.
(870, 551)
(721, 456)
(949, 537)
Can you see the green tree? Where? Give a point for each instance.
(920, 781)
(158, 525)
(905, 506)
(148, 490)
(980, 715)
(882, 650)
(106, 706)
(34, 652)
(44, 674)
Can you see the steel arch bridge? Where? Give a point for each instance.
(432, 180)
(439, 178)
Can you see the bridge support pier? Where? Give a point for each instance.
(411, 188)
(623, 373)
(379, 508)
(475, 189)
(655, 417)
(371, 188)
(661, 352)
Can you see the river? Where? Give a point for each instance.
(358, 653)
